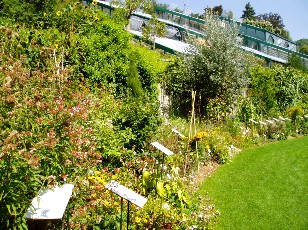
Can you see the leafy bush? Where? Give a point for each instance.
(214, 67)
(141, 117)
(272, 91)
(45, 132)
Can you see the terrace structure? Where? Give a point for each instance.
(179, 26)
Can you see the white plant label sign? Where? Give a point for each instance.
(50, 203)
(162, 148)
(126, 193)
(178, 133)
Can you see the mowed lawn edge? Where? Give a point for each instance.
(262, 188)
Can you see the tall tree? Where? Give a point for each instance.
(128, 7)
(216, 68)
(217, 10)
(249, 12)
(274, 18)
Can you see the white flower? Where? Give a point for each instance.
(164, 167)
(166, 206)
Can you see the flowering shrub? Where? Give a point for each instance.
(44, 125)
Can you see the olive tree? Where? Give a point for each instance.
(215, 67)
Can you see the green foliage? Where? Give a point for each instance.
(133, 81)
(296, 62)
(141, 117)
(128, 7)
(216, 10)
(215, 67)
(271, 93)
(303, 49)
(154, 28)
(294, 112)
(249, 12)
(55, 130)
(303, 41)
(274, 90)
(263, 91)
(28, 12)
(302, 45)
(274, 18)
(45, 133)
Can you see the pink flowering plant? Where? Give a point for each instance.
(46, 136)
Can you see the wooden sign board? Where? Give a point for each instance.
(178, 133)
(162, 148)
(126, 193)
(50, 203)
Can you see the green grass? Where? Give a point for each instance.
(263, 188)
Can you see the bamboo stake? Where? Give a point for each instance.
(192, 121)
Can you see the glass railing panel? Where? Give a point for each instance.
(260, 35)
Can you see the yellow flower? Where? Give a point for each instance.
(184, 217)
(200, 135)
(59, 13)
(144, 220)
(137, 219)
(107, 203)
(56, 46)
(96, 18)
(94, 2)
(101, 180)
(114, 176)
(94, 195)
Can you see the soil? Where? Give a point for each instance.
(200, 175)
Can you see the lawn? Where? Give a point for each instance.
(263, 188)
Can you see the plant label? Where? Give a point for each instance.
(162, 148)
(126, 193)
(50, 203)
(178, 133)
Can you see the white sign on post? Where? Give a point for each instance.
(162, 148)
(126, 193)
(50, 204)
(253, 121)
(178, 133)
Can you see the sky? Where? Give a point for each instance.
(294, 13)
